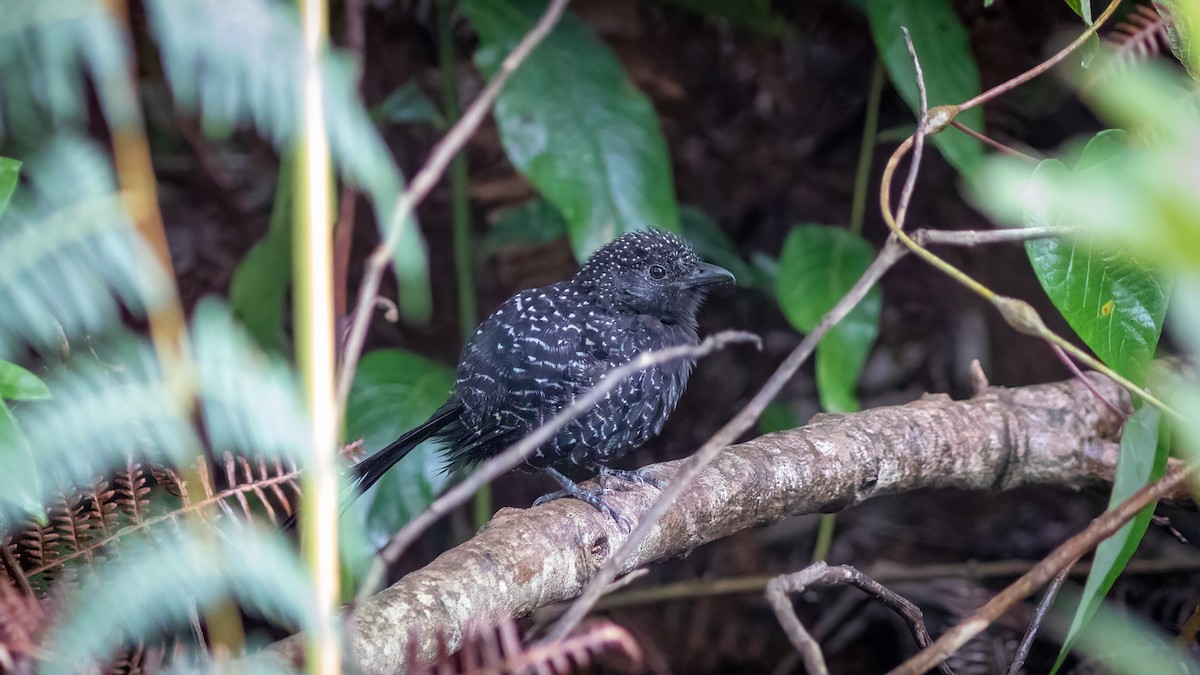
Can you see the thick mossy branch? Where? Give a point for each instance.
(1053, 434)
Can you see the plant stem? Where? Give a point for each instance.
(824, 537)
(313, 309)
(460, 211)
(862, 176)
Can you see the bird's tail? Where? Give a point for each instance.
(368, 472)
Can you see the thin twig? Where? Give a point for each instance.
(1043, 66)
(726, 435)
(1012, 152)
(1062, 356)
(1017, 313)
(1101, 528)
(423, 182)
(820, 574)
(1039, 614)
(985, 237)
(910, 183)
(519, 451)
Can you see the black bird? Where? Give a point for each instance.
(546, 346)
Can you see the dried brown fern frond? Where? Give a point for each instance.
(1140, 36)
(85, 527)
(499, 651)
(24, 621)
(273, 485)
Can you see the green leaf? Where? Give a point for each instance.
(408, 105)
(1142, 203)
(1092, 47)
(574, 125)
(16, 456)
(534, 222)
(395, 390)
(951, 75)
(258, 292)
(1114, 303)
(1120, 642)
(18, 384)
(1144, 450)
(1182, 20)
(10, 171)
(817, 266)
(1104, 146)
(1083, 8)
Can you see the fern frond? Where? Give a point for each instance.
(157, 587)
(1140, 36)
(251, 402)
(276, 487)
(98, 417)
(68, 256)
(241, 61)
(24, 621)
(45, 50)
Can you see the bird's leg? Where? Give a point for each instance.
(593, 497)
(635, 476)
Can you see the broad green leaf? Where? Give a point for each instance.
(18, 384)
(1102, 147)
(1092, 47)
(408, 105)
(395, 390)
(534, 222)
(1182, 20)
(258, 292)
(10, 171)
(817, 266)
(951, 75)
(1121, 643)
(1083, 8)
(1115, 303)
(16, 457)
(753, 14)
(712, 244)
(1143, 459)
(572, 123)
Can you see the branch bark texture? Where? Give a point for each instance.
(1053, 434)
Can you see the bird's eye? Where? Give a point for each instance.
(657, 271)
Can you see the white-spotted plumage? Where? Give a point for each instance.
(545, 347)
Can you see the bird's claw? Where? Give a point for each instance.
(635, 476)
(593, 498)
(563, 494)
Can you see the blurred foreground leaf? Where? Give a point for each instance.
(1143, 459)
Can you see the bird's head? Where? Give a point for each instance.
(650, 272)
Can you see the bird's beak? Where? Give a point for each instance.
(708, 275)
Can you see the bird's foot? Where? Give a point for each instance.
(635, 476)
(595, 498)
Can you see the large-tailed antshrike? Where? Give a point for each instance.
(544, 347)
